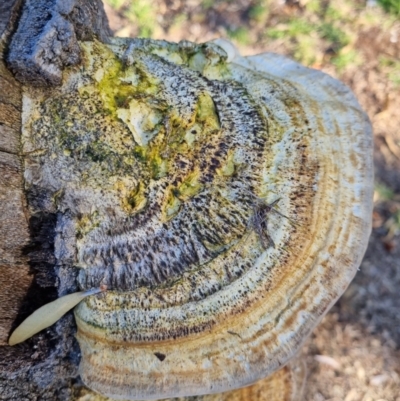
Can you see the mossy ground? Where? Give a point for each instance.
(358, 42)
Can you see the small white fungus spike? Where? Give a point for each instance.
(47, 315)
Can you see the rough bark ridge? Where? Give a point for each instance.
(47, 37)
(44, 41)
(13, 224)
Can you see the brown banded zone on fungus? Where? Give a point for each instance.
(216, 197)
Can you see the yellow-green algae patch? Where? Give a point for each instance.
(129, 94)
(206, 113)
(116, 83)
(228, 167)
(190, 186)
(86, 223)
(172, 204)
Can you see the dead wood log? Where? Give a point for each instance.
(37, 39)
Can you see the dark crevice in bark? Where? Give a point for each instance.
(47, 363)
(9, 13)
(8, 152)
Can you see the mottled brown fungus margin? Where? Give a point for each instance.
(155, 156)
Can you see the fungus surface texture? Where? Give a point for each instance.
(224, 201)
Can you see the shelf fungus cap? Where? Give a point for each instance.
(224, 201)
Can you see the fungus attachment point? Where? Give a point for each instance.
(47, 315)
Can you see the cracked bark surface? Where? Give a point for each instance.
(37, 38)
(47, 35)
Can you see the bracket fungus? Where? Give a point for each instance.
(224, 201)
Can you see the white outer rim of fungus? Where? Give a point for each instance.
(47, 315)
(228, 47)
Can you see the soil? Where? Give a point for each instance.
(354, 354)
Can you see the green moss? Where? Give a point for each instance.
(240, 35)
(391, 6)
(335, 35)
(292, 29)
(346, 58)
(383, 192)
(128, 94)
(208, 59)
(189, 187)
(111, 89)
(258, 12)
(305, 49)
(142, 13)
(139, 152)
(118, 84)
(314, 6)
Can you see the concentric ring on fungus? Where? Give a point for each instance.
(224, 201)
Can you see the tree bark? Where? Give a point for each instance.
(37, 39)
(14, 234)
